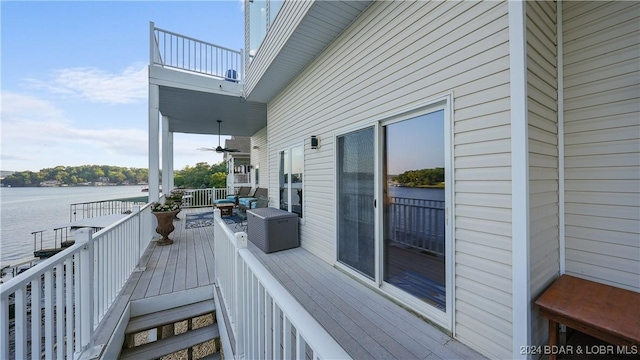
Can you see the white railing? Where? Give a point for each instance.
(202, 197)
(64, 298)
(240, 178)
(267, 321)
(170, 49)
(85, 210)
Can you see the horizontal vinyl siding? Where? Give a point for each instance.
(543, 154)
(602, 141)
(259, 157)
(396, 56)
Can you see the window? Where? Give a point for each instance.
(262, 14)
(291, 177)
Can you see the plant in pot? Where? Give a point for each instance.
(175, 197)
(165, 214)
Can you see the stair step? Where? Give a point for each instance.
(214, 356)
(171, 344)
(169, 316)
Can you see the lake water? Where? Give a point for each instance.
(25, 210)
(417, 193)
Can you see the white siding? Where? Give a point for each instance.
(396, 56)
(259, 157)
(602, 141)
(543, 154)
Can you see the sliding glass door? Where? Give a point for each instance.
(393, 192)
(355, 210)
(414, 207)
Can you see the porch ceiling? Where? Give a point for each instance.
(319, 26)
(196, 112)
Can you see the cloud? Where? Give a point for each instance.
(96, 85)
(35, 131)
(37, 134)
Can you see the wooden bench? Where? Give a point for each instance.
(608, 313)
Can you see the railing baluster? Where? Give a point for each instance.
(48, 315)
(301, 347)
(20, 330)
(68, 268)
(4, 327)
(36, 312)
(268, 326)
(286, 337)
(277, 332)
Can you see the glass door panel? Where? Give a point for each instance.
(414, 207)
(355, 191)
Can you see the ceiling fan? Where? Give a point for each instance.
(219, 149)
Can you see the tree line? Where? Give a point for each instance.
(200, 175)
(79, 175)
(421, 178)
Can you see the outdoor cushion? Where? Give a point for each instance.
(246, 201)
(225, 201)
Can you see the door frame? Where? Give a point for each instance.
(443, 102)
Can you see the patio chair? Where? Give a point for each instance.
(243, 191)
(260, 199)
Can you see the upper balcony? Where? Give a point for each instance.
(198, 83)
(179, 52)
(287, 42)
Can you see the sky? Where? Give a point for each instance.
(73, 79)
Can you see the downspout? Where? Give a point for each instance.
(520, 251)
(561, 187)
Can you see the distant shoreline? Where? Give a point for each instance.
(67, 185)
(435, 186)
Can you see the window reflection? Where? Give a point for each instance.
(262, 14)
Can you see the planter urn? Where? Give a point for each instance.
(165, 226)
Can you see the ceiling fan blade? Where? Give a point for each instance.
(206, 149)
(231, 150)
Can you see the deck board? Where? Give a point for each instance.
(192, 274)
(181, 270)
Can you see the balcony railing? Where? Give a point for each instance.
(239, 178)
(417, 223)
(202, 197)
(181, 52)
(265, 319)
(85, 210)
(52, 309)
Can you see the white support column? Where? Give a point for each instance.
(171, 168)
(154, 144)
(167, 156)
(521, 289)
(232, 171)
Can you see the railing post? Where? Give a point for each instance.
(240, 243)
(85, 287)
(136, 210)
(151, 42)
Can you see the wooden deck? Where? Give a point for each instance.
(186, 264)
(366, 324)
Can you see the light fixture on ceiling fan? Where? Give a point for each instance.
(219, 149)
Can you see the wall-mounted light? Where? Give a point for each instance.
(315, 142)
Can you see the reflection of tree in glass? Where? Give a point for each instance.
(423, 177)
